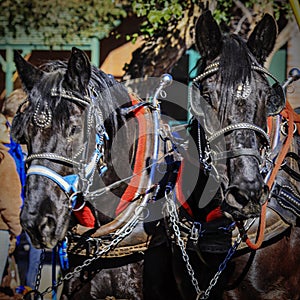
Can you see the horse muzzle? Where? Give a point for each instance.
(244, 204)
(42, 232)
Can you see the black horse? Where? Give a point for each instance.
(78, 120)
(230, 102)
(93, 150)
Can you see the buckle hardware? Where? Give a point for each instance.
(195, 231)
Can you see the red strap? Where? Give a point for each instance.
(179, 193)
(85, 217)
(214, 214)
(133, 185)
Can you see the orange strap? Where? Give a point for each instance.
(289, 114)
(296, 118)
(133, 185)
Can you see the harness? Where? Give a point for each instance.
(211, 157)
(192, 232)
(77, 183)
(115, 243)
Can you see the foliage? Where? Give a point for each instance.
(59, 20)
(224, 8)
(159, 14)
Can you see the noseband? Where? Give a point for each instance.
(73, 184)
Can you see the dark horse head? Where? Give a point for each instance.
(234, 84)
(65, 123)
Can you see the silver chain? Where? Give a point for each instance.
(201, 295)
(232, 127)
(172, 211)
(118, 238)
(39, 273)
(52, 156)
(205, 294)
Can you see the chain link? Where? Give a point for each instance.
(201, 295)
(127, 230)
(39, 273)
(204, 295)
(172, 211)
(119, 236)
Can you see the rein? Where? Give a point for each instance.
(292, 118)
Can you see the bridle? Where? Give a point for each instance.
(80, 182)
(209, 158)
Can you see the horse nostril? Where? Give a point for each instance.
(235, 194)
(47, 226)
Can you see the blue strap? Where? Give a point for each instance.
(63, 255)
(67, 183)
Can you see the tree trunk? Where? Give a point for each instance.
(159, 53)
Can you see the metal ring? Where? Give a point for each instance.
(284, 128)
(139, 212)
(82, 205)
(163, 94)
(160, 169)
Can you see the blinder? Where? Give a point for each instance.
(276, 99)
(18, 130)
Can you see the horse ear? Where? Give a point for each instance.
(208, 36)
(29, 74)
(79, 70)
(262, 40)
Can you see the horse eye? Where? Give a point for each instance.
(206, 95)
(75, 130)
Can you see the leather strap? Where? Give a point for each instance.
(236, 153)
(295, 175)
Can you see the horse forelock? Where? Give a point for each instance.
(235, 61)
(235, 68)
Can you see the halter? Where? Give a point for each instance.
(70, 183)
(211, 156)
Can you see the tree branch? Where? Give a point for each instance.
(245, 10)
(239, 25)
